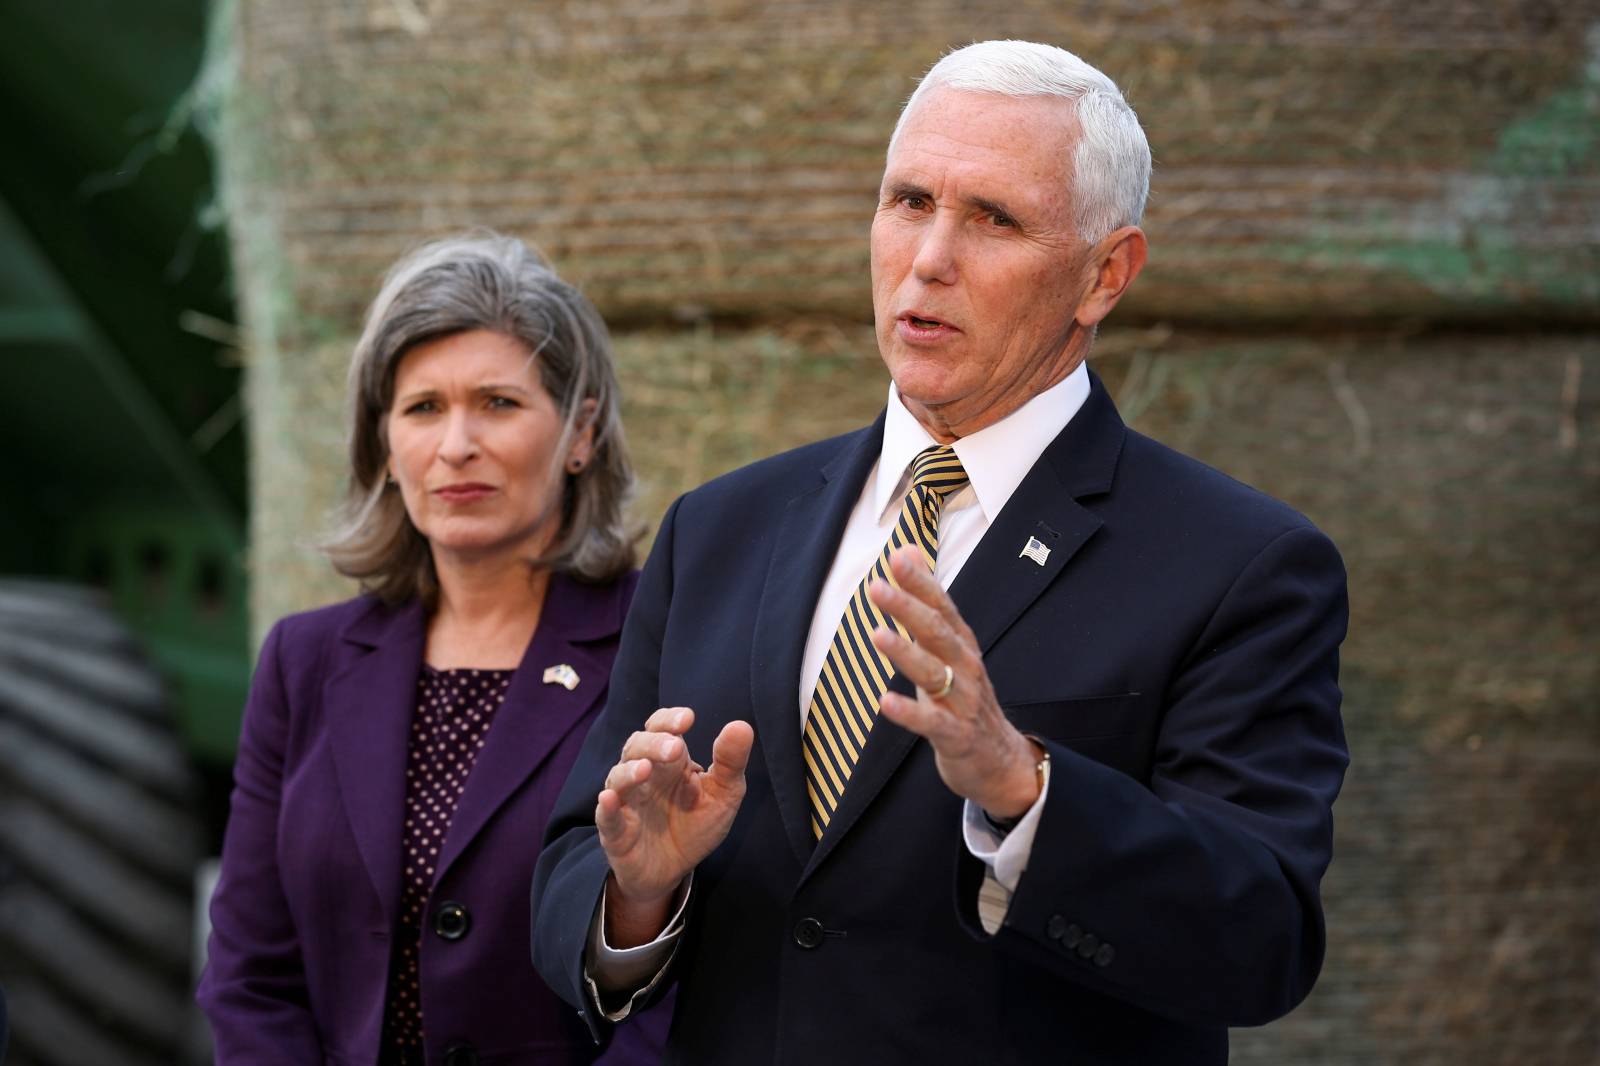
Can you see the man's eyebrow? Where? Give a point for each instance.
(991, 207)
(899, 189)
(906, 188)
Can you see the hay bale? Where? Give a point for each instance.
(1323, 161)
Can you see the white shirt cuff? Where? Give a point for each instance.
(611, 972)
(1005, 854)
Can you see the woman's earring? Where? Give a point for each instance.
(574, 465)
(388, 479)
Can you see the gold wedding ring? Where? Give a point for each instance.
(949, 679)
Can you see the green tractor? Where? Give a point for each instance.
(124, 651)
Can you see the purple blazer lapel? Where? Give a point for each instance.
(369, 703)
(575, 629)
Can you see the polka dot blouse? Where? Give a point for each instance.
(454, 711)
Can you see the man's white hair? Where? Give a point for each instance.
(1111, 163)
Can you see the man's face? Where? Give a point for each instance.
(977, 268)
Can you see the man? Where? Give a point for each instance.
(1077, 807)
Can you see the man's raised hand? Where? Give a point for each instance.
(980, 755)
(660, 814)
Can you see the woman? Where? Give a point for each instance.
(401, 751)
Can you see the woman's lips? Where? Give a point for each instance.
(463, 493)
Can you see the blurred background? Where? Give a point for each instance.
(1374, 292)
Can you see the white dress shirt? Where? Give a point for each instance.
(996, 460)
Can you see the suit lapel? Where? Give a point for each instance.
(369, 704)
(997, 583)
(808, 536)
(536, 716)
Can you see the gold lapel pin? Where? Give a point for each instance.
(562, 675)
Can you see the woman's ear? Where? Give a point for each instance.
(581, 450)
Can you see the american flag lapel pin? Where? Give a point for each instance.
(562, 675)
(1034, 550)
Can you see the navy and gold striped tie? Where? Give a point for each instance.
(855, 674)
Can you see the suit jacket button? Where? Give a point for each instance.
(1103, 957)
(808, 933)
(1088, 945)
(1056, 928)
(1071, 937)
(461, 1055)
(451, 921)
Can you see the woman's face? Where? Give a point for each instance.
(471, 437)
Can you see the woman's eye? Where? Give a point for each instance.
(503, 403)
(422, 407)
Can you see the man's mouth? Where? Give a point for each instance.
(917, 321)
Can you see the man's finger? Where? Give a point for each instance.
(911, 571)
(926, 626)
(924, 719)
(670, 720)
(657, 747)
(622, 777)
(608, 816)
(730, 752)
(915, 662)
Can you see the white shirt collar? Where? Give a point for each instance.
(996, 458)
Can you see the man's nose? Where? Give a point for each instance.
(938, 252)
(460, 443)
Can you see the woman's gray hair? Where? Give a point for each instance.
(1111, 164)
(483, 281)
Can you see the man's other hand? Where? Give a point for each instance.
(660, 813)
(981, 756)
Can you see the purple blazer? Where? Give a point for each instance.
(304, 914)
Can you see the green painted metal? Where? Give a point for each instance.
(122, 411)
(179, 584)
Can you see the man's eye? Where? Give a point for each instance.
(916, 203)
(1002, 220)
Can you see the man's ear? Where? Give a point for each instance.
(1121, 255)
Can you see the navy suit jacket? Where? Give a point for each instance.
(304, 913)
(1177, 652)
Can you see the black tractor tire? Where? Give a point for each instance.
(99, 839)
